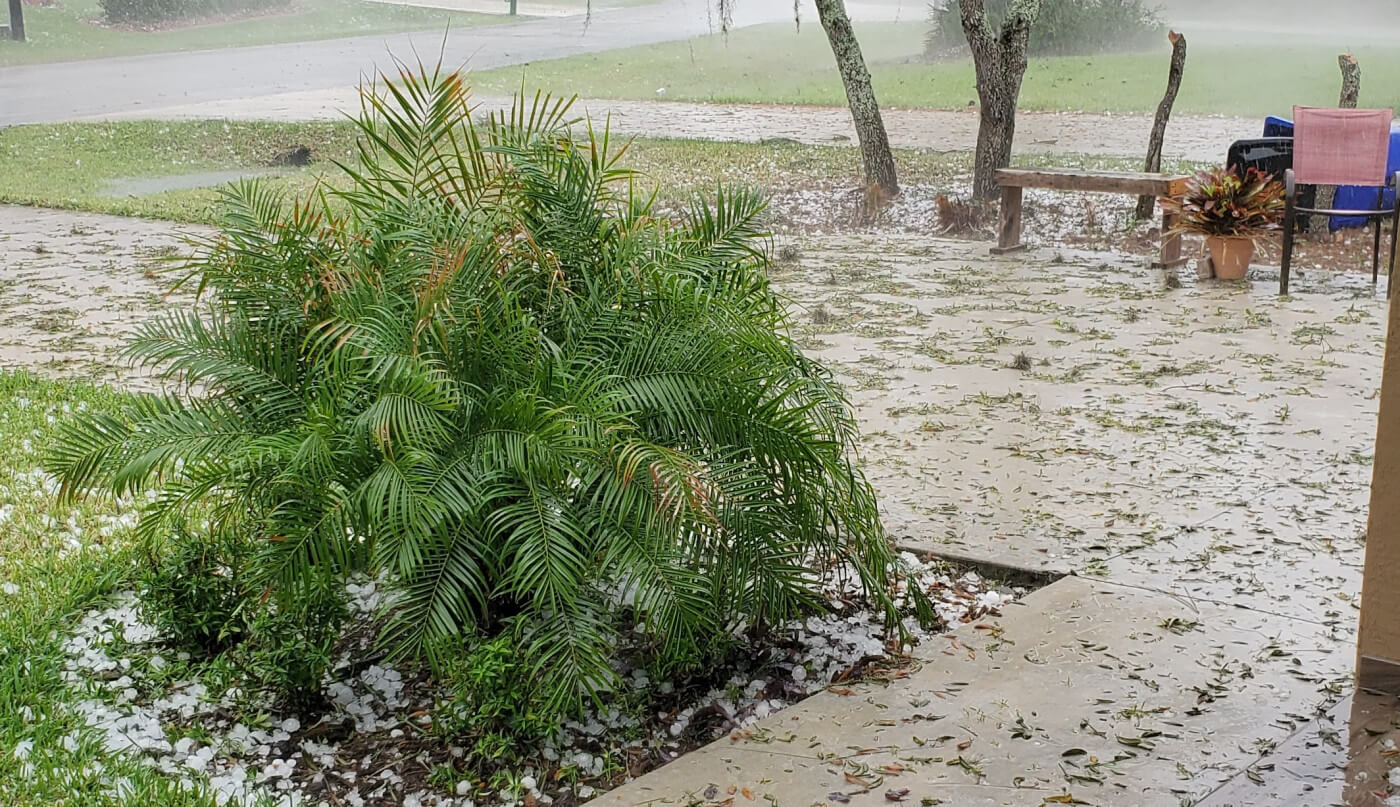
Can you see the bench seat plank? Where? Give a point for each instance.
(1068, 179)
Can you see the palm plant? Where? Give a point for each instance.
(501, 376)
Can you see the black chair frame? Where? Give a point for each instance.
(1291, 212)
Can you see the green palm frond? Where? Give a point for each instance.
(145, 443)
(727, 228)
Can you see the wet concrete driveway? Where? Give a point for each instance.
(1198, 458)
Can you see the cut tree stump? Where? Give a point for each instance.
(1351, 81)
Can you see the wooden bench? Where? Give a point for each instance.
(1014, 180)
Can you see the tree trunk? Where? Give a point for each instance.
(860, 96)
(996, 130)
(1000, 61)
(17, 20)
(1147, 203)
(1351, 94)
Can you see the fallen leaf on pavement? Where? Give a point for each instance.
(856, 780)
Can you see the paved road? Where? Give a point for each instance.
(50, 92)
(54, 92)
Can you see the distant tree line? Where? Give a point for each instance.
(1062, 28)
(1315, 9)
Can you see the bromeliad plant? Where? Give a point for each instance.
(502, 377)
(1224, 202)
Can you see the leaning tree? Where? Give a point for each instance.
(875, 153)
(1000, 59)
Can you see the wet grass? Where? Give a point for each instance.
(762, 63)
(55, 564)
(73, 29)
(779, 64)
(75, 165)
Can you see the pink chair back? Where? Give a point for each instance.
(1341, 146)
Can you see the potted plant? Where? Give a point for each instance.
(1231, 209)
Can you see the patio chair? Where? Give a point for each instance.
(1340, 147)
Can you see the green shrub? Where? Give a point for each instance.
(199, 593)
(506, 380)
(150, 12)
(1063, 27)
(194, 589)
(289, 645)
(136, 12)
(491, 709)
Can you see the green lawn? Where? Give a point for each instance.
(777, 64)
(765, 63)
(73, 165)
(72, 29)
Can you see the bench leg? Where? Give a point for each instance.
(1171, 243)
(1009, 222)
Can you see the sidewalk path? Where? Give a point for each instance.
(73, 286)
(1199, 457)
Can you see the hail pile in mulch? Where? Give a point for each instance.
(373, 746)
(1051, 218)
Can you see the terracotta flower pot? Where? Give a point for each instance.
(1230, 255)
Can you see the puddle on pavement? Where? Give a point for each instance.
(145, 186)
(1344, 757)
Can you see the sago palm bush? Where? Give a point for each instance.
(502, 377)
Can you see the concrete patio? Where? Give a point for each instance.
(1197, 458)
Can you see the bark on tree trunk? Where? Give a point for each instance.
(1000, 61)
(996, 130)
(1147, 203)
(1351, 94)
(1351, 81)
(860, 96)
